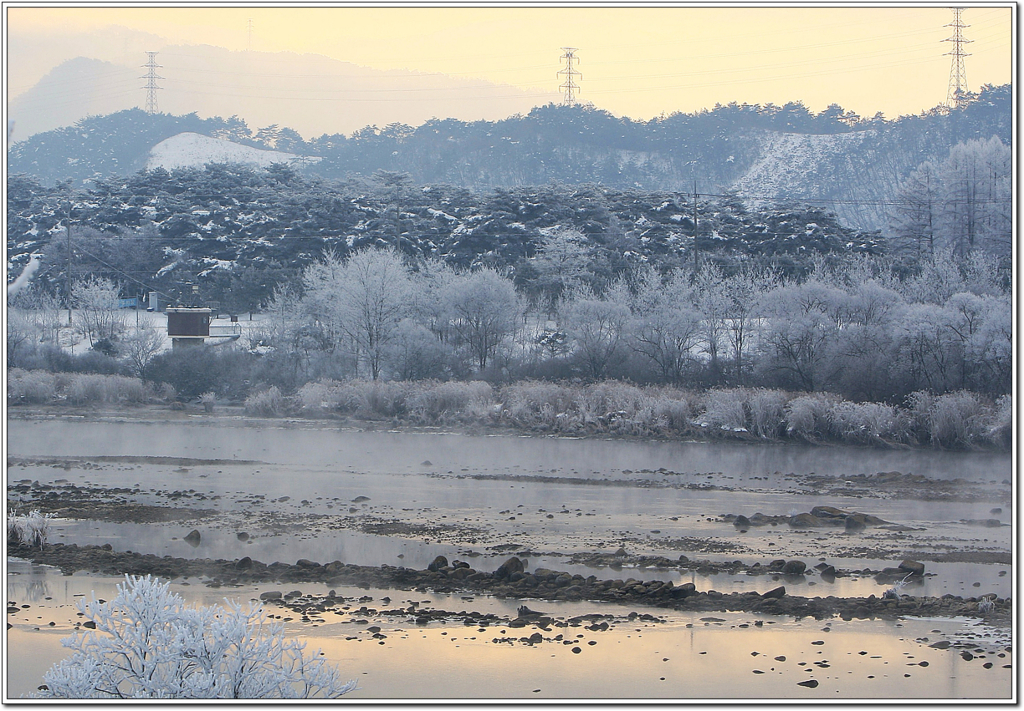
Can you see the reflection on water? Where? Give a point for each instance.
(406, 452)
(688, 656)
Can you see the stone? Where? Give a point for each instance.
(243, 563)
(794, 567)
(741, 522)
(912, 566)
(804, 520)
(271, 595)
(684, 590)
(512, 565)
(193, 538)
(810, 683)
(242, 536)
(774, 593)
(438, 563)
(829, 571)
(828, 512)
(306, 563)
(855, 523)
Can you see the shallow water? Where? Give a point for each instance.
(687, 656)
(470, 497)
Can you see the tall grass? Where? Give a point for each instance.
(42, 387)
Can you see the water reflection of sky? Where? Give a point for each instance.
(689, 656)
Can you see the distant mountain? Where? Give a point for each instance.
(766, 155)
(311, 94)
(77, 88)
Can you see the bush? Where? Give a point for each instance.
(30, 386)
(268, 403)
(868, 423)
(30, 529)
(434, 402)
(88, 389)
(807, 416)
(767, 417)
(147, 644)
(723, 409)
(956, 420)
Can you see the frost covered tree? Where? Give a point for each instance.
(148, 644)
(362, 298)
(962, 203)
(597, 327)
(96, 301)
(562, 260)
(139, 347)
(666, 326)
(484, 311)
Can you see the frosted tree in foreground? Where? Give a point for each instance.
(149, 645)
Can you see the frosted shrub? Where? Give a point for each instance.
(534, 403)
(807, 416)
(673, 414)
(208, 401)
(30, 386)
(148, 644)
(767, 418)
(30, 529)
(330, 395)
(956, 419)
(723, 409)
(440, 402)
(382, 399)
(89, 388)
(1000, 430)
(866, 422)
(268, 403)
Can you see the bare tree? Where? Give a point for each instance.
(484, 310)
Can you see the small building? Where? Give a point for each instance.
(188, 326)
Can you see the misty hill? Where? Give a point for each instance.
(238, 232)
(310, 93)
(767, 154)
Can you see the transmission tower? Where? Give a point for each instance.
(248, 46)
(956, 96)
(151, 86)
(569, 86)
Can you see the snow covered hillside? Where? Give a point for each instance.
(193, 150)
(788, 160)
(829, 169)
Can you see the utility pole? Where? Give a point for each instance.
(151, 86)
(696, 252)
(67, 274)
(569, 86)
(956, 95)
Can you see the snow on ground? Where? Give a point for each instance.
(193, 150)
(788, 158)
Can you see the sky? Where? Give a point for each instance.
(635, 61)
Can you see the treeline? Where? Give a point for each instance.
(957, 420)
(855, 328)
(567, 144)
(236, 233)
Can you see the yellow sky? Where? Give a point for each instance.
(635, 61)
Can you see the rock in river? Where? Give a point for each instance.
(912, 566)
(512, 565)
(794, 567)
(193, 538)
(438, 563)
